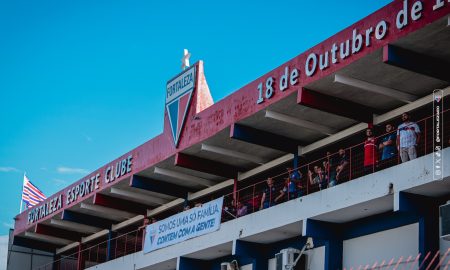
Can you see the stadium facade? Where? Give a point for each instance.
(309, 115)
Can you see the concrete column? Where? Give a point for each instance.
(192, 264)
(111, 246)
(296, 158)
(427, 211)
(251, 253)
(331, 234)
(80, 259)
(56, 265)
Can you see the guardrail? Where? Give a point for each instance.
(323, 173)
(94, 254)
(286, 186)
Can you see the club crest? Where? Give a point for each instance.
(178, 97)
(437, 98)
(152, 235)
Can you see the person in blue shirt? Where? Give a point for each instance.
(388, 148)
(296, 185)
(269, 194)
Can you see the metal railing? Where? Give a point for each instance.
(91, 255)
(249, 199)
(321, 174)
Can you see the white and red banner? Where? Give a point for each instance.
(185, 225)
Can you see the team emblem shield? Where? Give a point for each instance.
(178, 97)
(437, 98)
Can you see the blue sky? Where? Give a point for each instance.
(82, 82)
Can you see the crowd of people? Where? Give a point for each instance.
(333, 169)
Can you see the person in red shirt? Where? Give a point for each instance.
(370, 152)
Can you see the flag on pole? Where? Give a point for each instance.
(31, 195)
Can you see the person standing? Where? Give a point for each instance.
(330, 169)
(408, 136)
(342, 169)
(318, 178)
(387, 147)
(295, 184)
(370, 152)
(269, 195)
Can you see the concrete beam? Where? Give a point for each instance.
(156, 186)
(264, 138)
(125, 206)
(34, 244)
(73, 226)
(184, 177)
(374, 88)
(94, 236)
(205, 165)
(138, 196)
(265, 167)
(334, 138)
(408, 107)
(113, 213)
(206, 191)
(300, 122)
(165, 207)
(416, 62)
(47, 238)
(335, 105)
(67, 247)
(126, 223)
(232, 154)
(57, 232)
(90, 220)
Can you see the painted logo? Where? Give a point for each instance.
(178, 97)
(152, 234)
(437, 97)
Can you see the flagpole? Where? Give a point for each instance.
(21, 199)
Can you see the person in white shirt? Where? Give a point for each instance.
(408, 136)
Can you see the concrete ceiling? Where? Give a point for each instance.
(167, 265)
(358, 211)
(212, 252)
(277, 234)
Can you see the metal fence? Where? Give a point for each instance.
(284, 187)
(91, 255)
(321, 174)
